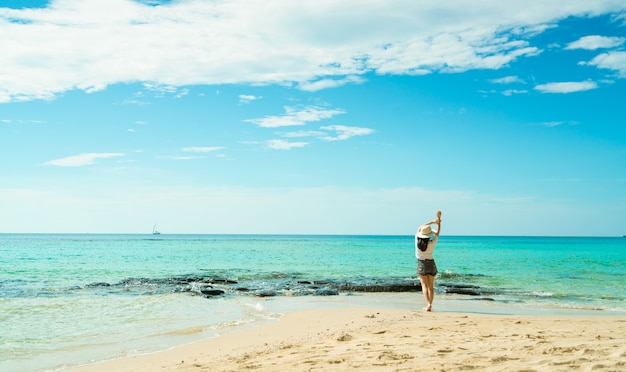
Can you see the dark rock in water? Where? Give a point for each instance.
(281, 284)
(303, 292)
(266, 293)
(463, 291)
(97, 284)
(326, 292)
(202, 287)
(212, 292)
(454, 285)
(184, 280)
(383, 287)
(139, 281)
(220, 281)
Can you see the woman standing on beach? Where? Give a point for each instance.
(425, 241)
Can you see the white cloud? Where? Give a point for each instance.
(345, 132)
(277, 144)
(612, 61)
(244, 98)
(182, 93)
(510, 92)
(178, 157)
(81, 159)
(594, 42)
(566, 87)
(135, 101)
(202, 149)
(303, 133)
(162, 90)
(21, 121)
(314, 86)
(91, 44)
(342, 133)
(553, 124)
(294, 116)
(508, 80)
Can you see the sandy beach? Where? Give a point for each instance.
(358, 338)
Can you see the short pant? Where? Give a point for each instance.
(426, 267)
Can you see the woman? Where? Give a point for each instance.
(425, 242)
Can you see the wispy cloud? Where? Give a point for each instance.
(82, 159)
(244, 98)
(508, 80)
(139, 99)
(510, 92)
(202, 149)
(553, 124)
(304, 133)
(163, 90)
(566, 87)
(89, 45)
(277, 144)
(180, 157)
(594, 42)
(294, 116)
(327, 133)
(613, 61)
(345, 132)
(314, 86)
(21, 121)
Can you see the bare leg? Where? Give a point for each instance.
(428, 289)
(430, 282)
(424, 279)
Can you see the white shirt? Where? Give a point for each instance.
(428, 253)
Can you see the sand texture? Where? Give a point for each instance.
(366, 339)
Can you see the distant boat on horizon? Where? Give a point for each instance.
(155, 231)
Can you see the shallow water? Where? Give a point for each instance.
(68, 299)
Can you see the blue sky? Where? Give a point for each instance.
(313, 117)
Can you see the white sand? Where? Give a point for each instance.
(381, 339)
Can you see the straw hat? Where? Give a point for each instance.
(425, 232)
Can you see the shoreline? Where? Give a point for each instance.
(378, 337)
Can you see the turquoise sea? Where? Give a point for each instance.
(78, 298)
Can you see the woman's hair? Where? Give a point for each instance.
(422, 243)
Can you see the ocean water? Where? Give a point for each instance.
(78, 298)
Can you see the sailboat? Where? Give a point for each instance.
(155, 231)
